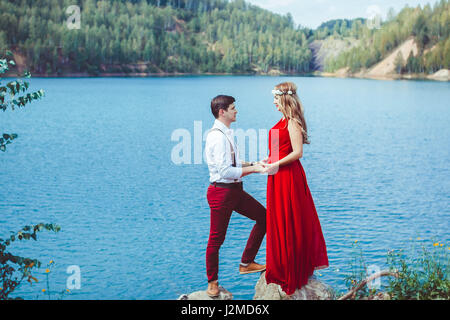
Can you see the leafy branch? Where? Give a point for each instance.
(13, 94)
(14, 269)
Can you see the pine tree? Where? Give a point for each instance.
(399, 62)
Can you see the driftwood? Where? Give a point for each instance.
(365, 281)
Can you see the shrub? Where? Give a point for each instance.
(14, 269)
(424, 275)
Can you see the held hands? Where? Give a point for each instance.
(258, 168)
(263, 161)
(270, 168)
(264, 167)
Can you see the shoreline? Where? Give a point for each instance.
(385, 77)
(151, 74)
(389, 77)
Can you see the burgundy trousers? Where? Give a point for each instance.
(222, 202)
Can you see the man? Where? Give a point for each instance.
(226, 193)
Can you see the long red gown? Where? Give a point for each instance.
(295, 245)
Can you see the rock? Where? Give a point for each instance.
(274, 72)
(201, 295)
(381, 296)
(313, 290)
(328, 48)
(441, 75)
(378, 296)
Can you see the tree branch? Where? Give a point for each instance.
(365, 281)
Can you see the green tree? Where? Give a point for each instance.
(399, 62)
(14, 94)
(176, 35)
(13, 268)
(391, 14)
(420, 30)
(430, 27)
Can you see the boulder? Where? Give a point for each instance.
(313, 290)
(201, 295)
(378, 296)
(441, 75)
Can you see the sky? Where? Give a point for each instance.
(311, 13)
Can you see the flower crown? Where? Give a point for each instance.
(280, 93)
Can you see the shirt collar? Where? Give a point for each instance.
(220, 125)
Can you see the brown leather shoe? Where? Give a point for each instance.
(213, 289)
(252, 268)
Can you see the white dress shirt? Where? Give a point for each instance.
(219, 157)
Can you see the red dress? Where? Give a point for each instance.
(295, 246)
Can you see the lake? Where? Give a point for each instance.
(96, 156)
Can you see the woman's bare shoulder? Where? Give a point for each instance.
(294, 125)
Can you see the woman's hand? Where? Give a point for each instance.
(263, 161)
(270, 168)
(258, 168)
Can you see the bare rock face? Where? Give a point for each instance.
(329, 48)
(201, 295)
(313, 290)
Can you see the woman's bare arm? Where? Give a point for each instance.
(295, 133)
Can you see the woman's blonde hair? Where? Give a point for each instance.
(291, 106)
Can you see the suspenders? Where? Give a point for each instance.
(233, 154)
(231, 147)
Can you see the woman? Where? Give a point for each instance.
(294, 241)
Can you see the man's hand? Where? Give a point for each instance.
(269, 168)
(258, 168)
(255, 168)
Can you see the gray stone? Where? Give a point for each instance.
(381, 296)
(201, 295)
(313, 290)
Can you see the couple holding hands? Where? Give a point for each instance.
(295, 245)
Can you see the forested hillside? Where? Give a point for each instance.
(340, 27)
(152, 36)
(211, 36)
(428, 26)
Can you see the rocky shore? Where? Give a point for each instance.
(313, 290)
(441, 75)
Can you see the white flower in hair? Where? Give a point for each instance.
(280, 93)
(277, 92)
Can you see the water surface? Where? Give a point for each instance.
(94, 156)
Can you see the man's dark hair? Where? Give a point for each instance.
(221, 102)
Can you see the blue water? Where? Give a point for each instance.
(94, 156)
